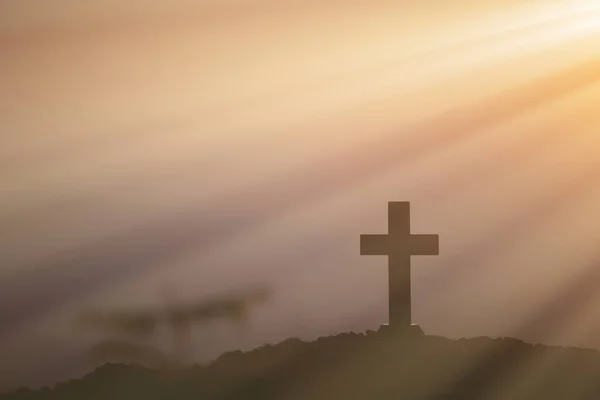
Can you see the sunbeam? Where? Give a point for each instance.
(218, 144)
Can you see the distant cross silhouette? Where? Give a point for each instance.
(399, 245)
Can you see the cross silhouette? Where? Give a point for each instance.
(399, 245)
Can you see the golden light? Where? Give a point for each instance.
(273, 128)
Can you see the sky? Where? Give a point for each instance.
(218, 145)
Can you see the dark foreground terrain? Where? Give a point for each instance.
(376, 365)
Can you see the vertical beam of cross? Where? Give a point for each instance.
(399, 245)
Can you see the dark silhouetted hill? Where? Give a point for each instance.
(375, 365)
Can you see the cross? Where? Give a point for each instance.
(399, 245)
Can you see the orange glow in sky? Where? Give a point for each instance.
(279, 130)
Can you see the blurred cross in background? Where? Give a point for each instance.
(176, 315)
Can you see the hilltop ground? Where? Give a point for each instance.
(375, 365)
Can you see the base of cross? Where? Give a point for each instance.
(414, 330)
